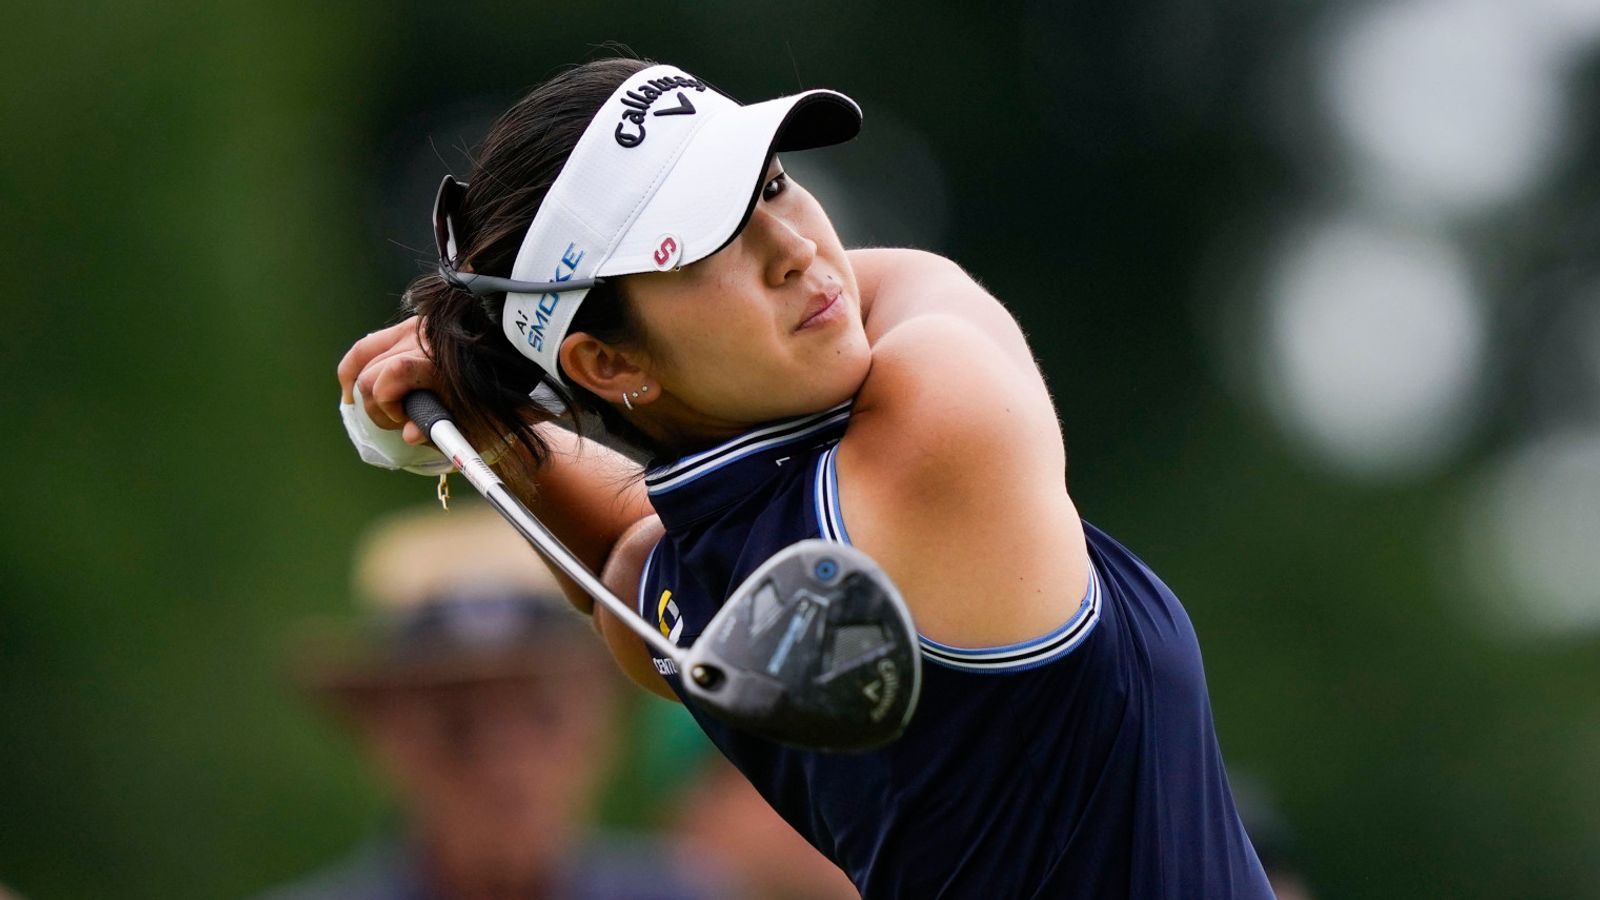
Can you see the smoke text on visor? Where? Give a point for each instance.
(638, 101)
(533, 329)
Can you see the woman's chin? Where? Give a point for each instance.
(844, 377)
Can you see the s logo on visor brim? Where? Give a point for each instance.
(669, 251)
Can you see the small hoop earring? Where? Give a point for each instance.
(626, 402)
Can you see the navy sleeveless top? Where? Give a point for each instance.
(1080, 764)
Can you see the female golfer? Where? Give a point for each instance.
(667, 277)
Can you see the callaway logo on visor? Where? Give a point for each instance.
(639, 100)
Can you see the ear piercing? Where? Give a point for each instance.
(628, 398)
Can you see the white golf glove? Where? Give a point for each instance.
(385, 448)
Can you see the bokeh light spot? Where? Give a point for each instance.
(1448, 102)
(1373, 347)
(1533, 535)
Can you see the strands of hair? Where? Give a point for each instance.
(484, 379)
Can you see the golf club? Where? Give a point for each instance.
(815, 648)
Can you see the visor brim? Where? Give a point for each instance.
(708, 195)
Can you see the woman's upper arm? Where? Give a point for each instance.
(946, 413)
(952, 473)
(621, 574)
(950, 368)
(901, 286)
(588, 494)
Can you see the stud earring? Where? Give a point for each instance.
(628, 398)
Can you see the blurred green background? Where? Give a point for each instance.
(1315, 284)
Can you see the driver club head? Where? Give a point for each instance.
(815, 649)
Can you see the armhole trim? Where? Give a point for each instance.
(825, 495)
(1025, 654)
(1008, 658)
(643, 599)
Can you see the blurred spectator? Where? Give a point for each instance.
(488, 706)
(716, 817)
(1274, 840)
(722, 818)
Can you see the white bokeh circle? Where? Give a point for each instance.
(1449, 103)
(1533, 536)
(1373, 346)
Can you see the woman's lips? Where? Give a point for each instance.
(820, 309)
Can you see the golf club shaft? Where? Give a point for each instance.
(425, 409)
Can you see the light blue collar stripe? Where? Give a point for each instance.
(731, 444)
(644, 579)
(706, 464)
(829, 518)
(818, 493)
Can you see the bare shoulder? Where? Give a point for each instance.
(951, 369)
(950, 402)
(954, 452)
(621, 574)
(899, 286)
(871, 260)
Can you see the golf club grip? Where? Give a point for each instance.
(426, 409)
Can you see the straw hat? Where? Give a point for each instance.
(446, 597)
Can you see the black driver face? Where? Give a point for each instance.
(815, 649)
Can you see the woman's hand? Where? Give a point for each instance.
(385, 366)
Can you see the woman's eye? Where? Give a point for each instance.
(775, 187)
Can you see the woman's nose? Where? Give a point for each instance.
(789, 252)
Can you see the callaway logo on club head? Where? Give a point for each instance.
(638, 101)
(883, 690)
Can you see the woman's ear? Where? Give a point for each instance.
(601, 368)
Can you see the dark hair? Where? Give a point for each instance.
(483, 378)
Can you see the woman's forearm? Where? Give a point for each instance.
(587, 495)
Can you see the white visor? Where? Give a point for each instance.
(665, 175)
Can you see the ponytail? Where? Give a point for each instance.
(483, 380)
(482, 377)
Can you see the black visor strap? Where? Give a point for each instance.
(445, 205)
(487, 285)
